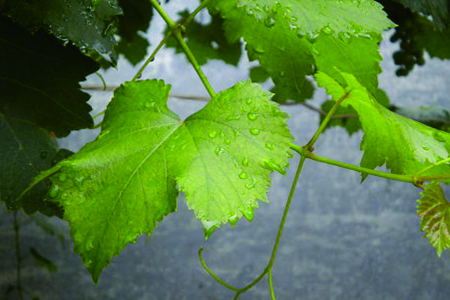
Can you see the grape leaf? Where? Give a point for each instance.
(26, 149)
(356, 55)
(289, 27)
(312, 16)
(73, 20)
(118, 186)
(434, 210)
(136, 17)
(281, 53)
(208, 41)
(438, 9)
(404, 145)
(39, 79)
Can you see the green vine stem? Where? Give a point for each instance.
(404, 178)
(176, 29)
(191, 17)
(268, 269)
(327, 119)
(272, 292)
(152, 56)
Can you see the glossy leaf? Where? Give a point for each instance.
(39, 80)
(434, 211)
(312, 16)
(118, 186)
(26, 149)
(405, 146)
(78, 21)
(439, 10)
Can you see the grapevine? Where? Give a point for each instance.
(128, 179)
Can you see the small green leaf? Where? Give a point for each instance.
(434, 211)
(120, 185)
(405, 146)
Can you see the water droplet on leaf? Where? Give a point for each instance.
(212, 134)
(252, 116)
(249, 101)
(269, 146)
(242, 175)
(218, 151)
(255, 131)
(245, 162)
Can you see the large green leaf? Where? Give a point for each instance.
(118, 186)
(434, 210)
(279, 34)
(406, 146)
(313, 16)
(39, 80)
(74, 20)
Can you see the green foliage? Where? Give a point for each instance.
(208, 41)
(136, 18)
(434, 211)
(118, 186)
(439, 10)
(31, 66)
(69, 20)
(407, 146)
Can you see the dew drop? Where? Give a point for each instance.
(227, 141)
(242, 175)
(426, 148)
(43, 154)
(212, 134)
(269, 146)
(269, 22)
(250, 185)
(218, 151)
(147, 104)
(245, 162)
(249, 101)
(54, 191)
(236, 133)
(327, 30)
(255, 131)
(233, 117)
(252, 116)
(63, 177)
(282, 73)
